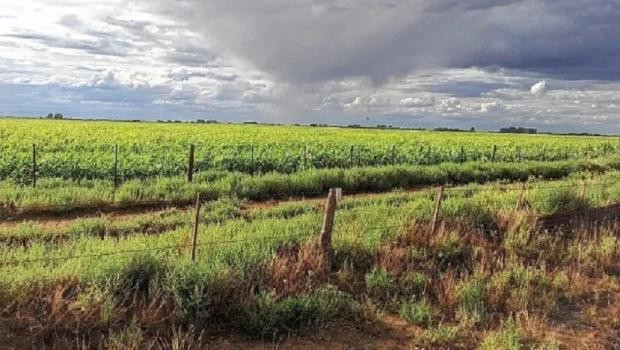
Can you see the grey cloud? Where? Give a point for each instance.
(309, 41)
(100, 46)
(190, 56)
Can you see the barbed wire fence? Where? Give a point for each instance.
(248, 159)
(609, 213)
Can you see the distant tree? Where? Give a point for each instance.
(49, 116)
(472, 129)
(200, 121)
(58, 116)
(518, 130)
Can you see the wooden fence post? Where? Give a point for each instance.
(34, 165)
(437, 208)
(252, 159)
(582, 195)
(494, 152)
(394, 155)
(115, 166)
(190, 164)
(195, 230)
(463, 160)
(351, 156)
(325, 239)
(305, 157)
(428, 154)
(520, 198)
(544, 154)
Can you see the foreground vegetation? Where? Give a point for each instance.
(488, 278)
(82, 150)
(55, 195)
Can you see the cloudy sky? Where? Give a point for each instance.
(551, 64)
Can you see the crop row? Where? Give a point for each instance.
(96, 150)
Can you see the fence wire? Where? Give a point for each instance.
(10, 209)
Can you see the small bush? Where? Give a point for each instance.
(471, 295)
(379, 283)
(560, 200)
(417, 312)
(93, 227)
(267, 315)
(507, 338)
(440, 337)
(414, 283)
(137, 277)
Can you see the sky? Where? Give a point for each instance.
(549, 64)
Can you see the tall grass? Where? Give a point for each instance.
(53, 195)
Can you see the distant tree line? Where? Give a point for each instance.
(518, 130)
(54, 116)
(472, 129)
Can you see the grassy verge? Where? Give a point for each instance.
(258, 274)
(54, 195)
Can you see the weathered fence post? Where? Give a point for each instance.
(494, 152)
(463, 160)
(428, 154)
(195, 230)
(520, 198)
(437, 209)
(325, 239)
(34, 165)
(544, 154)
(190, 164)
(252, 159)
(582, 195)
(394, 155)
(115, 166)
(305, 157)
(351, 156)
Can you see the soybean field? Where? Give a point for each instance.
(74, 150)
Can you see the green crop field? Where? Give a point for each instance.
(85, 149)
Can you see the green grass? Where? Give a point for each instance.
(53, 195)
(417, 312)
(384, 258)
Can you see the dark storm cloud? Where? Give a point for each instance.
(312, 41)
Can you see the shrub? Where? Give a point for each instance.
(471, 295)
(379, 283)
(443, 336)
(94, 227)
(416, 312)
(266, 315)
(507, 338)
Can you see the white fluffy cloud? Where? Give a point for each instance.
(539, 89)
